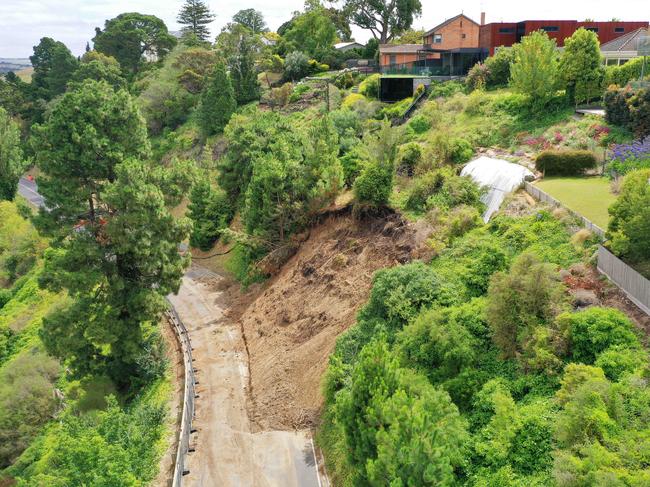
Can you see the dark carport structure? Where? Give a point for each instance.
(451, 63)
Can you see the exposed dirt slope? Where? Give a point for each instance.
(292, 326)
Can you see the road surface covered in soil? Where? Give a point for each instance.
(227, 453)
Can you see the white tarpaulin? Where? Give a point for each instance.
(499, 177)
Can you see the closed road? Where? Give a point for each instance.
(228, 453)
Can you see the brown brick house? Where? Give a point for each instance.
(459, 32)
(456, 33)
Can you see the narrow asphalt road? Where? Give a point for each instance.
(29, 190)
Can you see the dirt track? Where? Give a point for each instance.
(227, 453)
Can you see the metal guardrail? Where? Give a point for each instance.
(189, 395)
(544, 197)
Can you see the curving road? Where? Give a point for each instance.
(28, 189)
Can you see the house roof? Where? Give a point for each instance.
(626, 42)
(448, 21)
(341, 45)
(400, 48)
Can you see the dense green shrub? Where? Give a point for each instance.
(437, 345)
(460, 150)
(398, 295)
(499, 67)
(210, 211)
(622, 75)
(352, 163)
(629, 229)
(617, 111)
(419, 124)
(408, 158)
(639, 105)
(581, 68)
(521, 300)
(594, 330)
(618, 360)
(374, 185)
(442, 189)
(534, 71)
(477, 77)
(565, 163)
(369, 87)
(419, 421)
(296, 66)
(446, 89)
(27, 401)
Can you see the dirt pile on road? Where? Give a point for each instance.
(292, 325)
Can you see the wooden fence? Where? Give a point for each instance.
(633, 284)
(544, 197)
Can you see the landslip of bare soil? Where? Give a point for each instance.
(292, 325)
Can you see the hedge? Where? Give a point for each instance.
(630, 108)
(565, 163)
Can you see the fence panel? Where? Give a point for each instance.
(544, 197)
(189, 395)
(633, 284)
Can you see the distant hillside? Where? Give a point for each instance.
(13, 64)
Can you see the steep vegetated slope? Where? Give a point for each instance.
(55, 430)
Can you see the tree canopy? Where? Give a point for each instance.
(12, 163)
(241, 48)
(114, 246)
(581, 68)
(133, 39)
(53, 65)
(534, 70)
(312, 32)
(195, 16)
(218, 102)
(384, 19)
(251, 19)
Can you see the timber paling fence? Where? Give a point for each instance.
(189, 395)
(634, 285)
(544, 197)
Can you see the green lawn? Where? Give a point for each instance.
(588, 196)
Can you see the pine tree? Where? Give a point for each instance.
(195, 15)
(217, 102)
(114, 241)
(244, 77)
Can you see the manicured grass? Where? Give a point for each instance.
(589, 197)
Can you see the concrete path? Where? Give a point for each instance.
(227, 453)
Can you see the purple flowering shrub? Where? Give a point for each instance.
(629, 157)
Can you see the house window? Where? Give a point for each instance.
(507, 30)
(393, 59)
(463, 36)
(437, 38)
(551, 28)
(592, 29)
(619, 30)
